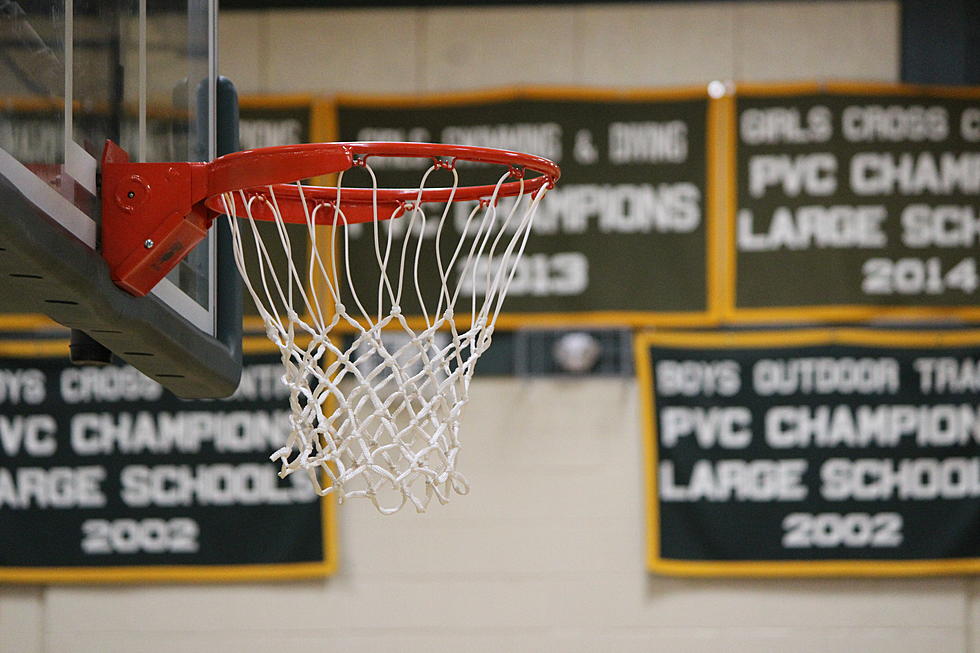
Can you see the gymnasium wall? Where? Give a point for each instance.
(547, 552)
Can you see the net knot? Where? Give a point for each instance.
(396, 310)
(272, 332)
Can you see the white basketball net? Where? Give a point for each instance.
(379, 418)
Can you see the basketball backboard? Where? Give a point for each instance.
(143, 74)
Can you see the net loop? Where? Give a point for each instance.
(377, 357)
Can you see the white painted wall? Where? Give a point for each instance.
(629, 45)
(547, 553)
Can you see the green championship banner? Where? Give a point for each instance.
(854, 201)
(804, 453)
(624, 237)
(270, 121)
(106, 477)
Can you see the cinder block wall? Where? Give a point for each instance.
(629, 45)
(547, 553)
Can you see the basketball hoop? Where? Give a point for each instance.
(371, 417)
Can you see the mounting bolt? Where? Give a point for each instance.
(131, 194)
(148, 243)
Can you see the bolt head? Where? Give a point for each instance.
(148, 244)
